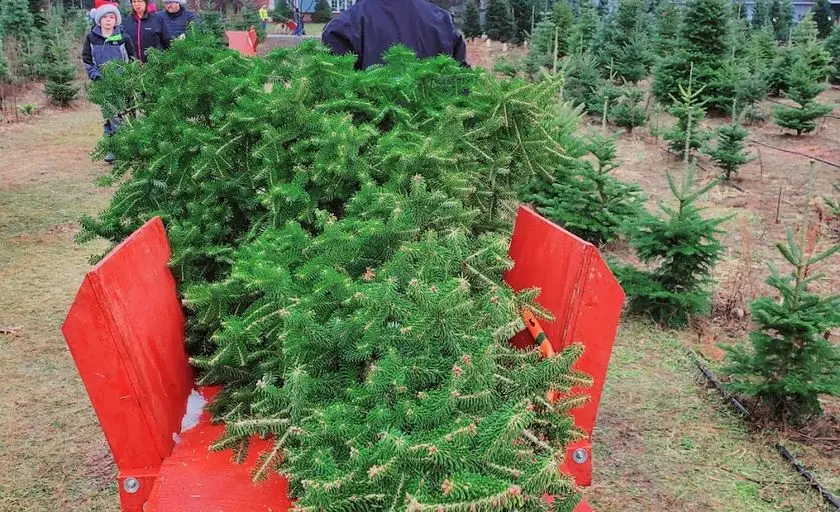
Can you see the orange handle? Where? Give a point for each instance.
(537, 333)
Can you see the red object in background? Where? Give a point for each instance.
(125, 331)
(586, 301)
(244, 42)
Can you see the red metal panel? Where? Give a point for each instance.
(105, 378)
(127, 324)
(243, 41)
(586, 300)
(194, 479)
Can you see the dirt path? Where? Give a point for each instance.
(52, 453)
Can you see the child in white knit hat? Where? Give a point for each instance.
(105, 43)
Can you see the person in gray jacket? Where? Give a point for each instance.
(105, 43)
(177, 17)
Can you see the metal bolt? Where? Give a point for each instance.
(580, 456)
(131, 485)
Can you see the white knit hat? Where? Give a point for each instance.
(107, 9)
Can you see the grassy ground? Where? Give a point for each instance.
(661, 442)
(52, 453)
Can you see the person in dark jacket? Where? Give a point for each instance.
(371, 27)
(146, 30)
(177, 18)
(106, 43)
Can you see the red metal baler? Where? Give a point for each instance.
(125, 331)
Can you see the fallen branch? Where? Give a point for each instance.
(818, 159)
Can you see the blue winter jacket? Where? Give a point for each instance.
(179, 22)
(150, 31)
(371, 27)
(98, 50)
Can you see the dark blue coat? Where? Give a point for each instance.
(150, 31)
(371, 27)
(98, 50)
(179, 22)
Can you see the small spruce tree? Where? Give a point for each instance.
(824, 17)
(323, 12)
(781, 18)
(472, 21)
(542, 50)
(584, 29)
(627, 112)
(281, 12)
(587, 199)
(57, 67)
(523, 12)
(15, 20)
(729, 154)
(213, 23)
(832, 46)
(603, 7)
(803, 89)
(498, 21)
(683, 247)
(584, 83)
(686, 136)
(790, 360)
(760, 14)
(667, 28)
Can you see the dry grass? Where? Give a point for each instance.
(52, 451)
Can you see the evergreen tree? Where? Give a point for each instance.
(626, 112)
(781, 18)
(282, 12)
(823, 16)
(832, 203)
(760, 14)
(472, 21)
(687, 136)
(739, 11)
(790, 360)
(584, 29)
(498, 21)
(523, 12)
(584, 83)
(702, 51)
(212, 23)
(832, 46)
(323, 12)
(15, 19)
(586, 199)
(729, 154)
(803, 89)
(684, 247)
(806, 45)
(603, 7)
(667, 28)
(249, 17)
(57, 67)
(340, 241)
(626, 44)
(542, 51)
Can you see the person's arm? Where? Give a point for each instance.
(87, 57)
(341, 37)
(129, 48)
(165, 37)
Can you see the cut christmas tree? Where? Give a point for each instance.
(340, 240)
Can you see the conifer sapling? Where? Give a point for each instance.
(729, 154)
(472, 21)
(790, 360)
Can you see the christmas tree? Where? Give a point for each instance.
(729, 154)
(498, 21)
(15, 19)
(282, 12)
(523, 15)
(625, 43)
(667, 28)
(542, 52)
(587, 199)
(824, 17)
(781, 18)
(761, 14)
(684, 248)
(832, 46)
(833, 203)
(213, 24)
(687, 136)
(57, 67)
(472, 21)
(702, 50)
(584, 29)
(323, 12)
(803, 88)
(790, 360)
(627, 113)
(339, 238)
(249, 17)
(807, 46)
(584, 83)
